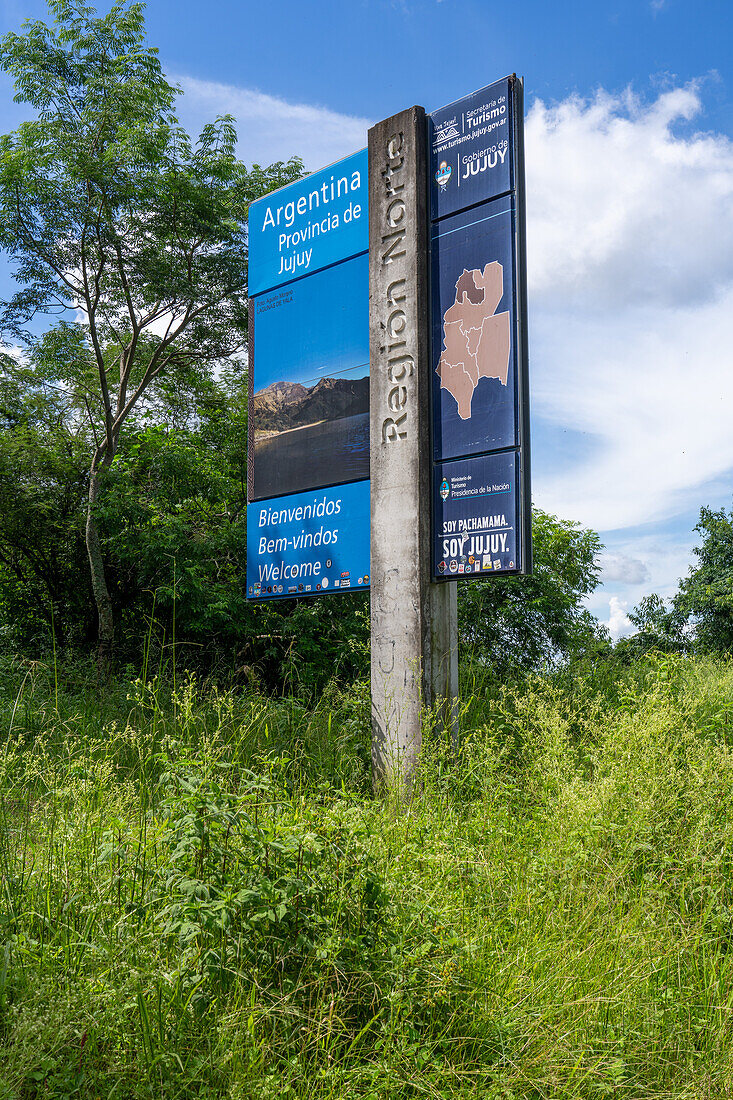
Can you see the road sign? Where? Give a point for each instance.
(393, 284)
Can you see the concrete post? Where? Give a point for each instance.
(414, 648)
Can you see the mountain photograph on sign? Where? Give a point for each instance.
(284, 406)
(308, 436)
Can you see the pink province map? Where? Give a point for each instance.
(476, 339)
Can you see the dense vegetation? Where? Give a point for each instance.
(202, 898)
(172, 520)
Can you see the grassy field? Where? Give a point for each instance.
(201, 898)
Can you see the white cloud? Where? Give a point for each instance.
(618, 622)
(664, 554)
(630, 242)
(623, 210)
(622, 567)
(653, 387)
(270, 128)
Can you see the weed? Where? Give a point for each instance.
(200, 897)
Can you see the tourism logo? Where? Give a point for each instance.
(444, 489)
(443, 174)
(445, 133)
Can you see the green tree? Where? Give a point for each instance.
(114, 218)
(659, 626)
(43, 459)
(526, 623)
(705, 596)
(174, 514)
(174, 518)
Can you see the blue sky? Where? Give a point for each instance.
(630, 215)
(319, 327)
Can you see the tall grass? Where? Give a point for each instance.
(201, 898)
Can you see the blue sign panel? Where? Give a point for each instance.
(308, 439)
(481, 522)
(308, 225)
(477, 528)
(471, 149)
(309, 543)
(473, 341)
(309, 414)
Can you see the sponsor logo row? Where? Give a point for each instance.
(344, 581)
(473, 564)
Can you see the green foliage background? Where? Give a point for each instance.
(173, 520)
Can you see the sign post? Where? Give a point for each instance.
(414, 658)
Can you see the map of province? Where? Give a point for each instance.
(476, 338)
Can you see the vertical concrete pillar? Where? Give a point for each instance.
(414, 654)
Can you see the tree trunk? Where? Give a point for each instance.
(106, 635)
